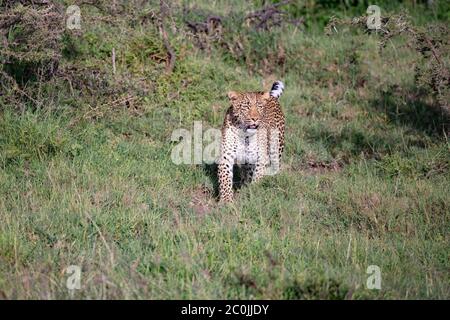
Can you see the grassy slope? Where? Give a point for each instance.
(365, 181)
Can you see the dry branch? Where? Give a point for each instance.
(270, 16)
(432, 43)
(170, 63)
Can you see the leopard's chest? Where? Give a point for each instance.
(247, 148)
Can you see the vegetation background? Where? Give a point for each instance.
(86, 179)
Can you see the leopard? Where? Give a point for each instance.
(252, 137)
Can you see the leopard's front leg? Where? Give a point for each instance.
(225, 166)
(262, 155)
(225, 172)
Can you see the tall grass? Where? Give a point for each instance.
(86, 178)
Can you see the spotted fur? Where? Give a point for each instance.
(252, 138)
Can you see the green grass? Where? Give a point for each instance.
(365, 181)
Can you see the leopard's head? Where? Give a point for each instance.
(248, 108)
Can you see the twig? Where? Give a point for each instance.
(268, 13)
(170, 64)
(113, 57)
(111, 254)
(15, 87)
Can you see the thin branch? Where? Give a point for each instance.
(170, 64)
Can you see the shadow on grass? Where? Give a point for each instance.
(411, 108)
(211, 171)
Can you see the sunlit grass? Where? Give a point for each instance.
(365, 181)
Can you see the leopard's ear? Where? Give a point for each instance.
(232, 95)
(266, 95)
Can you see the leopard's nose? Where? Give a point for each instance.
(253, 114)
